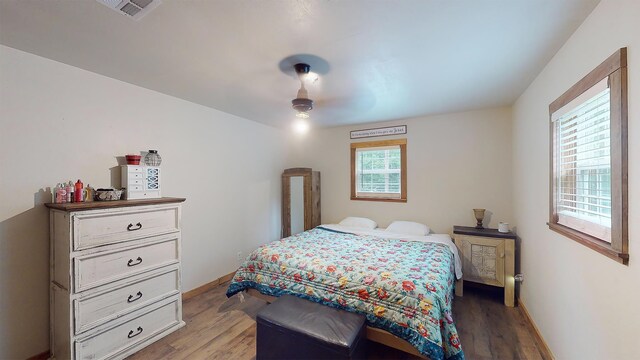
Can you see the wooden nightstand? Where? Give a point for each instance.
(488, 257)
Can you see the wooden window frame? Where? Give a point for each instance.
(615, 69)
(403, 168)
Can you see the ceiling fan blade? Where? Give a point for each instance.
(358, 103)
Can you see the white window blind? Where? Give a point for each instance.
(583, 163)
(378, 172)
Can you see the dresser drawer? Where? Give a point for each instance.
(104, 267)
(102, 228)
(133, 169)
(97, 309)
(133, 182)
(116, 340)
(136, 175)
(142, 194)
(132, 187)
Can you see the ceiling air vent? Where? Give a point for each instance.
(134, 9)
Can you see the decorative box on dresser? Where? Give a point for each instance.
(141, 182)
(115, 276)
(488, 257)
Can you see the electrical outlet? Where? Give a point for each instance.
(239, 256)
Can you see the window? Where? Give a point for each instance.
(378, 170)
(588, 191)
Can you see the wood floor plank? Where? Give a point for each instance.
(201, 303)
(475, 338)
(220, 344)
(204, 332)
(159, 350)
(221, 328)
(526, 337)
(242, 346)
(502, 334)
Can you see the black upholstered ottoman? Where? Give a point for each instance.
(294, 328)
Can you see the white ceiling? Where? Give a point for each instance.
(387, 59)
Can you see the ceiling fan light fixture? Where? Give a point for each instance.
(302, 104)
(301, 126)
(302, 69)
(302, 92)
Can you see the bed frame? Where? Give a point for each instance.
(373, 334)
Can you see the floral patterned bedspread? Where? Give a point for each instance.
(403, 287)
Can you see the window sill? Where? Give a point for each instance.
(379, 199)
(591, 242)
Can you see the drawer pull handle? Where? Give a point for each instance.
(132, 263)
(131, 228)
(134, 298)
(134, 334)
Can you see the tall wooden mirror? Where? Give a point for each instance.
(300, 200)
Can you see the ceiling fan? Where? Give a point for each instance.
(302, 104)
(359, 100)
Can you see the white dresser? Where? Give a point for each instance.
(115, 276)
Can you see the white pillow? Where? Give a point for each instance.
(359, 222)
(408, 228)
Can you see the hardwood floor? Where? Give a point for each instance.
(490, 330)
(221, 328)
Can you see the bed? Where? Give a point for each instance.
(403, 284)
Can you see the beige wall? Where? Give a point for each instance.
(455, 162)
(61, 123)
(585, 304)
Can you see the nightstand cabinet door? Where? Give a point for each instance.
(488, 257)
(483, 259)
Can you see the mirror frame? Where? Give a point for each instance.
(286, 198)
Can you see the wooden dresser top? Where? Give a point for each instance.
(93, 205)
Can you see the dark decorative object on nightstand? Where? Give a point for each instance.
(479, 214)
